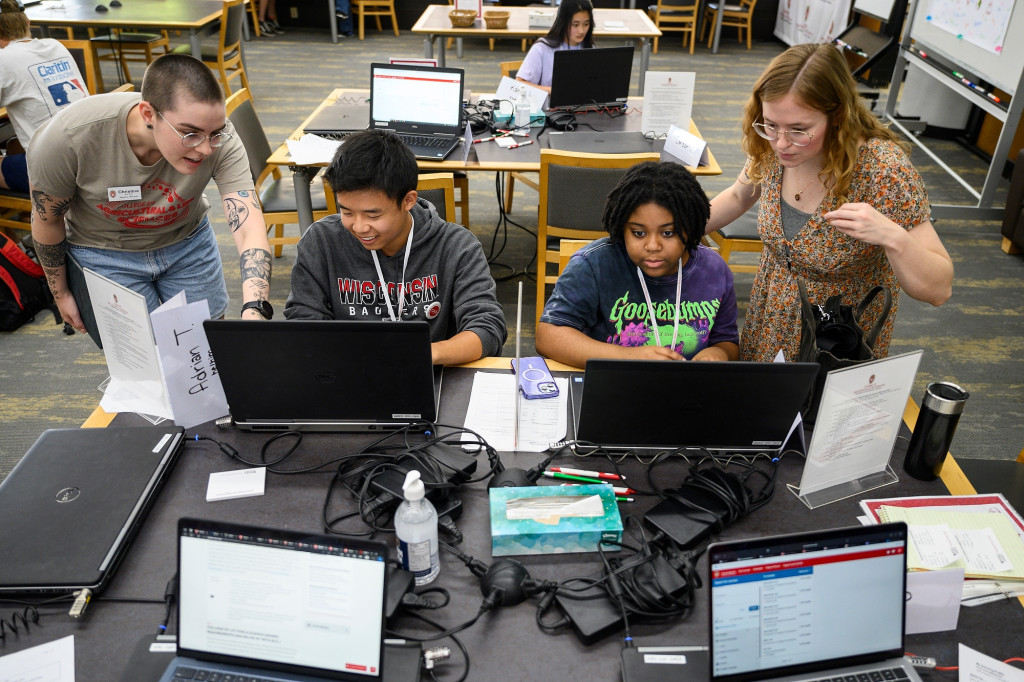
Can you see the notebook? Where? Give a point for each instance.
(280, 605)
(66, 527)
(339, 119)
(594, 77)
(324, 375)
(735, 406)
(422, 104)
(821, 605)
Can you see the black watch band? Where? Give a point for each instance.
(264, 308)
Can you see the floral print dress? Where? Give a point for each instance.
(829, 261)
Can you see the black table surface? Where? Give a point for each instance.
(505, 644)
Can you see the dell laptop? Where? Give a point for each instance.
(733, 406)
(325, 375)
(598, 77)
(275, 605)
(823, 605)
(74, 502)
(421, 104)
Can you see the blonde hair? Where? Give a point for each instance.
(13, 21)
(819, 78)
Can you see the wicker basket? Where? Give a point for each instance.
(496, 19)
(462, 18)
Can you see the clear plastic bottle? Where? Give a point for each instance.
(416, 528)
(522, 109)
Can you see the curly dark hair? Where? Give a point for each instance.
(665, 184)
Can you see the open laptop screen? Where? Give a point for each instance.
(781, 605)
(274, 599)
(411, 94)
(596, 76)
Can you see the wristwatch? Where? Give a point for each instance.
(264, 308)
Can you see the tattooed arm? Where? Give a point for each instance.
(245, 220)
(48, 235)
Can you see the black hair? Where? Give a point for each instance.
(374, 160)
(668, 185)
(171, 74)
(563, 21)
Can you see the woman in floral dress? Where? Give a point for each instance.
(841, 207)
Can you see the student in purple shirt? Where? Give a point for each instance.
(572, 30)
(649, 289)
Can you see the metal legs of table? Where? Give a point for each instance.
(428, 48)
(717, 28)
(302, 176)
(332, 18)
(645, 58)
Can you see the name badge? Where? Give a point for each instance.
(124, 193)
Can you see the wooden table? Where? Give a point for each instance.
(156, 15)
(525, 159)
(436, 26)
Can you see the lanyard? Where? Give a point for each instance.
(401, 287)
(650, 306)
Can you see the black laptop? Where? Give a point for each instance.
(324, 375)
(818, 606)
(339, 119)
(587, 78)
(72, 505)
(421, 104)
(734, 406)
(275, 605)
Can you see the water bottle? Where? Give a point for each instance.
(416, 528)
(940, 412)
(522, 109)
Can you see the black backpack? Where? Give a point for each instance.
(23, 289)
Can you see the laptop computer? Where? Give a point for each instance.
(422, 104)
(821, 605)
(282, 605)
(594, 77)
(328, 375)
(339, 119)
(65, 526)
(612, 142)
(734, 406)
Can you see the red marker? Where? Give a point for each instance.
(591, 474)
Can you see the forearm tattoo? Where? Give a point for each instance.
(47, 207)
(52, 255)
(237, 211)
(256, 266)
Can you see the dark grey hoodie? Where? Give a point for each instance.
(447, 282)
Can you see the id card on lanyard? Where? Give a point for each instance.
(650, 306)
(401, 286)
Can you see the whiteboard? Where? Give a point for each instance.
(1003, 70)
(880, 9)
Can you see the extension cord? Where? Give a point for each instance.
(594, 619)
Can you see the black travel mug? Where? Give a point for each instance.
(940, 411)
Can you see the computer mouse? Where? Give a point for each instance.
(101, 8)
(115, 3)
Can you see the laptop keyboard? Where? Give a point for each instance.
(424, 140)
(872, 676)
(200, 675)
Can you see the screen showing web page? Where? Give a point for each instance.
(801, 608)
(416, 96)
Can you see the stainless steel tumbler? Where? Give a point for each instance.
(940, 412)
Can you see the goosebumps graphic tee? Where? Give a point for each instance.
(599, 294)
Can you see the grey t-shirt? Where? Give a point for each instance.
(792, 220)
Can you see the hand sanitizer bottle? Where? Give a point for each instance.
(522, 109)
(416, 528)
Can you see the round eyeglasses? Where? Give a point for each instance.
(768, 131)
(193, 140)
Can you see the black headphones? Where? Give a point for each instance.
(562, 120)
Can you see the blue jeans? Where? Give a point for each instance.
(344, 25)
(191, 265)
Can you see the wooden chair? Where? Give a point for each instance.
(125, 46)
(740, 236)
(566, 249)
(85, 59)
(437, 188)
(375, 9)
(573, 190)
(682, 18)
(226, 58)
(277, 197)
(739, 16)
(254, 10)
(510, 69)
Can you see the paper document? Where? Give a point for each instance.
(668, 101)
(50, 662)
(933, 600)
(492, 409)
(968, 504)
(310, 150)
(977, 667)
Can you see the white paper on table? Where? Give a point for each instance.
(933, 600)
(509, 88)
(467, 142)
(686, 147)
(936, 545)
(858, 421)
(136, 383)
(542, 421)
(798, 420)
(668, 101)
(50, 662)
(615, 26)
(190, 375)
(977, 667)
(310, 150)
(982, 551)
(236, 483)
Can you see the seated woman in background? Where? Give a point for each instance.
(649, 290)
(573, 29)
(841, 208)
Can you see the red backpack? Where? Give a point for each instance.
(23, 289)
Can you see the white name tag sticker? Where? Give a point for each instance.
(126, 193)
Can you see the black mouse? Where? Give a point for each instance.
(115, 3)
(101, 8)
